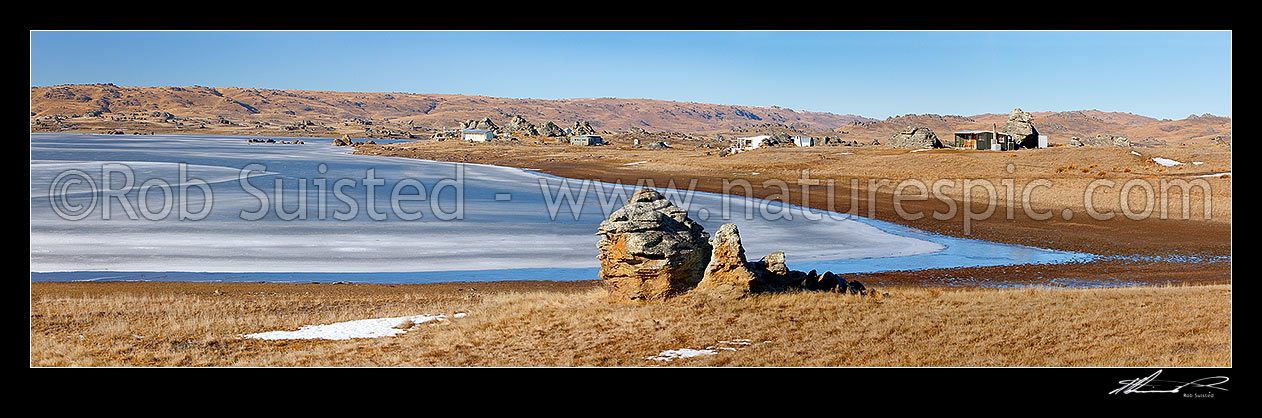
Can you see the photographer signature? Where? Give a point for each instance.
(1150, 384)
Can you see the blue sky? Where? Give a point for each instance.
(875, 74)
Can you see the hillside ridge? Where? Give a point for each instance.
(78, 107)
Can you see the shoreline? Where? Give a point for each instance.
(1080, 234)
(1152, 251)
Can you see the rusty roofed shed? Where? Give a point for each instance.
(984, 140)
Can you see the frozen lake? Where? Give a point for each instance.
(476, 222)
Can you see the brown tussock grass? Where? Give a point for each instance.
(1141, 326)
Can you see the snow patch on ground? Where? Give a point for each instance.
(1136, 153)
(636, 163)
(722, 345)
(671, 355)
(1198, 162)
(1215, 175)
(363, 328)
(1165, 161)
(922, 149)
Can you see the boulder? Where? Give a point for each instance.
(914, 137)
(550, 130)
(1106, 140)
(657, 145)
(344, 141)
(728, 274)
(651, 250)
(485, 124)
(856, 288)
(1021, 127)
(519, 124)
(811, 282)
(778, 139)
(774, 274)
(582, 128)
(773, 263)
(831, 282)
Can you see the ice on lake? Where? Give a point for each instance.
(509, 219)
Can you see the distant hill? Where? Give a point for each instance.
(247, 111)
(433, 111)
(1061, 126)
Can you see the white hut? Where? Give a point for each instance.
(476, 135)
(587, 140)
(753, 142)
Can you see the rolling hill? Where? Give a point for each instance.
(255, 111)
(431, 111)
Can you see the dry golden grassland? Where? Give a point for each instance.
(199, 324)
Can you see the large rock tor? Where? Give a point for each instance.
(550, 130)
(728, 274)
(1020, 125)
(650, 249)
(915, 137)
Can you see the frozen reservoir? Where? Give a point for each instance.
(314, 212)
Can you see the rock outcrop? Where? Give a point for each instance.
(485, 124)
(1101, 140)
(775, 276)
(914, 137)
(582, 128)
(551, 130)
(344, 141)
(728, 274)
(1106, 140)
(773, 264)
(519, 124)
(1020, 125)
(651, 250)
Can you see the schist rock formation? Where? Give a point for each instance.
(650, 250)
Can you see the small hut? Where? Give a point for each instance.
(984, 140)
(586, 140)
(476, 135)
